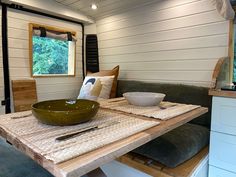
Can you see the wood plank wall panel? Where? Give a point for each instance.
(48, 87)
(177, 41)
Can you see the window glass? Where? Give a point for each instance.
(234, 51)
(51, 56)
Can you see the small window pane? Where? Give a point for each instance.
(51, 53)
(50, 56)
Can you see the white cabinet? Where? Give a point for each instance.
(224, 115)
(222, 157)
(223, 151)
(217, 172)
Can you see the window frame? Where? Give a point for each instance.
(31, 27)
(231, 50)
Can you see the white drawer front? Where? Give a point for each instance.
(223, 151)
(216, 172)
(224, 115)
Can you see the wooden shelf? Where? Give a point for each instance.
(222, 93)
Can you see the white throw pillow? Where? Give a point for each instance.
(95, 86)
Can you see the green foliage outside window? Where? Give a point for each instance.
(50, 56)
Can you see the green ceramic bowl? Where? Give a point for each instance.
(65, 112)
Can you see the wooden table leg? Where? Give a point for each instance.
(96, 173)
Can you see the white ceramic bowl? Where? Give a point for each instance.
(144, 98)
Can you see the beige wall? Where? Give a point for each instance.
(90, 29)
(167, 41)
(47, 88)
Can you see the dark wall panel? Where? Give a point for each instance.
(92, 61)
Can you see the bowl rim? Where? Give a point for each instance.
(151, 93)
(97, 104)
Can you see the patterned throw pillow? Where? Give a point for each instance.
(96, 87)
(113, 72)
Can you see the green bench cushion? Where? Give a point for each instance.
(176, 146)
(13, 163)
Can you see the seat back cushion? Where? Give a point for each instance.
(114, 72)
(174, 93)
(176, 146)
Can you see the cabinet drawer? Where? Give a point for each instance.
(223, 151)
(224, 115)
(216, 172)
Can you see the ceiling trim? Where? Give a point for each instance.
(53, 8)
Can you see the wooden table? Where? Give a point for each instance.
(85, 163)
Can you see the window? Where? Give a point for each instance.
(232, 50)
(52, 51)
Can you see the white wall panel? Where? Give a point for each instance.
(178, 75)
(18, 35)
(182, 33)
(183, 22)
(22, 20)
(185, 54)
(142, 8)
(191, 43)
(157, 16)
(174, 65)
(176, 41)
(18, 43)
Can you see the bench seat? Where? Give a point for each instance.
(181, 144)
(176, 146)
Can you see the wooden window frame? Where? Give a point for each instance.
(231, 47)
(231, 50)
(31, 27)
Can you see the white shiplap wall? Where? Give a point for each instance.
(175, 41)
(18, 35)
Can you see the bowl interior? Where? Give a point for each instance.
(65, 105)
(65, 112)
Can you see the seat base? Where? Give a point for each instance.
(156, 169)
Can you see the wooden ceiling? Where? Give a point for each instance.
(105, 7)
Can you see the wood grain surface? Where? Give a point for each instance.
(87, 162)
(222, 93)
(156, 169)
(24, 94)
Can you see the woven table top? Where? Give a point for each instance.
(42, 138)
(164, 111)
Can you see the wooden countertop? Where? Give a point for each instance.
(222, 93)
